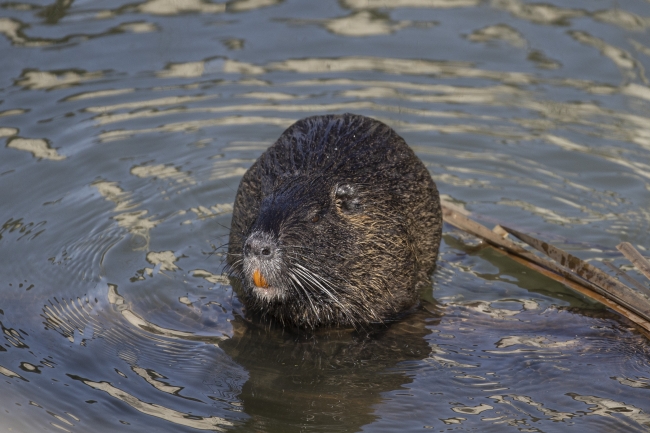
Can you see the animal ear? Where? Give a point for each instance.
(347, 198)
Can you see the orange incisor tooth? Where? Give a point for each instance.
(258, 279)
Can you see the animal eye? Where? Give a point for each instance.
(315, 218)
(347, 198)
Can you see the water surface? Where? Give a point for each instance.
(128, 125)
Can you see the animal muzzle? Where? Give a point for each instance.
(261, 259)
(261, 246)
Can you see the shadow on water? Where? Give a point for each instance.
(329, 381)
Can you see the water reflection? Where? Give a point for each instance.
(384, 4)
(135, 221)
(212, 423)
(498, 32)
(167, 7)
(38, 147)
(538, 12)
(332, 379)
(37, 80)
(360, 24)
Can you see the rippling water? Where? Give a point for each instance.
(127, 127)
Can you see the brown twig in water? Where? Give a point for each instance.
(640, 262)
(567, 269)
(626, 277)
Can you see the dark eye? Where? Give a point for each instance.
(347, 198)
(315, 218)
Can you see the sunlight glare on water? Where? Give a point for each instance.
(128, 126)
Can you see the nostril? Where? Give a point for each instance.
(260, 245)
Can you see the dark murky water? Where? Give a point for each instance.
(127, 127)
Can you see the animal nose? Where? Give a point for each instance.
(260, 246)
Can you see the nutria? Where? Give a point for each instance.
(336, 224)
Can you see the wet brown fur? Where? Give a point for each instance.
(352, 218)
